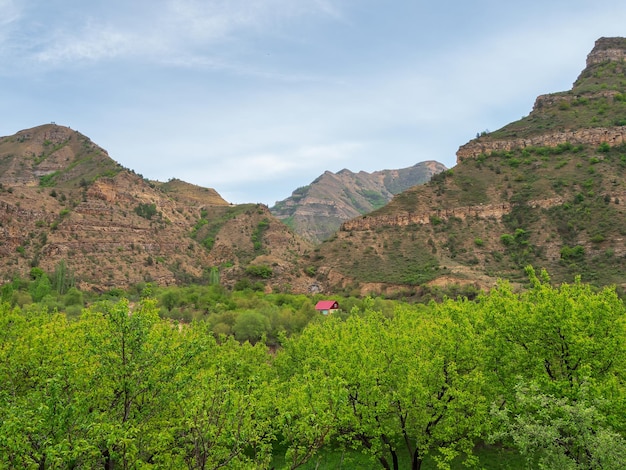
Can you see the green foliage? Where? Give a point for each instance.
(257, 234)
(48, 180)
(63, 278)
(376, 199)
(259, 270)
(572, 253)
(251, 326)
(507, 239)
(540, 371)
(214, 276)
(145, 210)
(553, 432)
(40, 288)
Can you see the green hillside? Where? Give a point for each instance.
(548, 190)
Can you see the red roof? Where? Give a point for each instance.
(326, 305)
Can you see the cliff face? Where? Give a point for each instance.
(607, 50)
(593, 136)
(317, 210)
(62, 199)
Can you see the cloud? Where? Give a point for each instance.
(269, 166)
(96, 43)
(10, 12)
(170, 29)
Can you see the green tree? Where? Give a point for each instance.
(63, 277)
(561, 433)
(40, 287)
(251, 326)
(413, 380)
(43, 407)
(226, 407)
(552, 336)
(566, 346)
(136, 366)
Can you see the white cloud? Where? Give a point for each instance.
(97, 42)
(270, 166)
(171, 29)
(9, 12)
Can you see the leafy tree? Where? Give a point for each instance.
(552, 336)
(43, 408)
(566, 347)
(251, 326)
(226, 407)
(63, 277)
(73, 297)
(40, 285)
(412, 381)
(135, 367)
(145, 210)
(552, 432)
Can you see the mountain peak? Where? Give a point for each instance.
(607, 49)
(316, 211)
(591, 113)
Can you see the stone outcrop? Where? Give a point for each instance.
(592, 136)
(607, 49)
(483, 211)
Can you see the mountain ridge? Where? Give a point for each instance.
(64, 200)
(316, 211)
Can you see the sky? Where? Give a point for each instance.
(256, 98)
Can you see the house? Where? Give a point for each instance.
(327, 306)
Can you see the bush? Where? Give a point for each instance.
(251, 326)
(572, 253)
(507, 239)
(263, 271)
(147, 211)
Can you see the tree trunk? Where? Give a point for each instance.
(417, 461)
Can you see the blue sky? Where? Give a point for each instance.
(258, 97)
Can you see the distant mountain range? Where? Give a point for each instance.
(317, 211)
(548, 190)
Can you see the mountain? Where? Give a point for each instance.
(316, 211)
(548, 190)
(65, 205)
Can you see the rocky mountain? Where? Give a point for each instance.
(548, 190)
(316, 211)
(65, 202)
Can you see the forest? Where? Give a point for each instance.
(530, 378)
